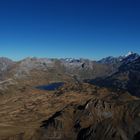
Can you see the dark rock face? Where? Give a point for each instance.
(97, 119)
(111, 60)
(137, 136)
(130, 57)
(127, 78)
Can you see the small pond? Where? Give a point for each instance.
(51, 87)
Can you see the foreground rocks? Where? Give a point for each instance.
(97, 119)
(77, 111)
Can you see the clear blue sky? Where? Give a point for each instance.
(69, 28)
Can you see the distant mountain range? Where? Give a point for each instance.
(116, 72)
(130, 56)
(126, 77)
(82, 68)
(98, 100)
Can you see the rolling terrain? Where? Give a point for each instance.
(99, 99)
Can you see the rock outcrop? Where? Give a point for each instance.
(96, 119)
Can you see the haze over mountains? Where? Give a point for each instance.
(97, 96)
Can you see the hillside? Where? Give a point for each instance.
(108, 101)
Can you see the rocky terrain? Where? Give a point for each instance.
(126, 78)
(99, 99)
(5, 65)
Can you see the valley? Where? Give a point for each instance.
(70, 99)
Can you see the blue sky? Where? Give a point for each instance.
(69, 28)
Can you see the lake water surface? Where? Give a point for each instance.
(51, 87)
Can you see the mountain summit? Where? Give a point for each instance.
(129, 53)
(129, 57)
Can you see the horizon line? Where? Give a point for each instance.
(45, 57)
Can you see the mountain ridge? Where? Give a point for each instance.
(69, 58)
(79, 110)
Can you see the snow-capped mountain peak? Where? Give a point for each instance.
(131, 56)
(129, 53)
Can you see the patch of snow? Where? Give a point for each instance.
(129, 53)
